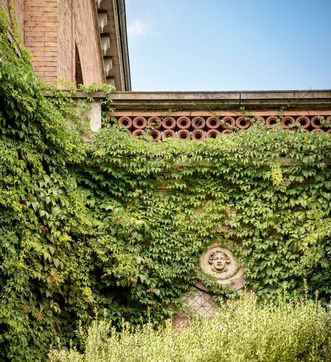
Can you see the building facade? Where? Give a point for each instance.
(82, 41)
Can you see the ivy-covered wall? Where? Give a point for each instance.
(115, 227)
(44, 224)
(263, 193)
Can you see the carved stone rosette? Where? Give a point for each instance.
(220, 263)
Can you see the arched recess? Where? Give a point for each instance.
(78, 68)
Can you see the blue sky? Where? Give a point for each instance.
(215, 45)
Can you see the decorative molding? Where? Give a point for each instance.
(200, 125)
(102, 20)
(221, 264)
(111, 22)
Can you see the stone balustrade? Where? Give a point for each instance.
(200, 115)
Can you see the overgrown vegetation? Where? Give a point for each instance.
(242, 331)
(167, 201)
(118, 224)
(45, 228)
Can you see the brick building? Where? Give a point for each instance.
(83, 41)
(86, 41)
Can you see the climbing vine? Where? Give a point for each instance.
(264, 193)
(46, 231)
(114, 227)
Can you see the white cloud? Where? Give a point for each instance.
(138, 28)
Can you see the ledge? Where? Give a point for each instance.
(232, 100)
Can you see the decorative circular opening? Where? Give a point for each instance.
(213, 133)
(155, 134)
(328, 124)
(154, 122)
(213, 122)
(198, 122)
(229, 122)
(183, 122)
(169, 122)
(198, 135)
(316, 122)
(259, 119)
(270, 121)
(138, 133)
(139, 122)
(168, 134)
(125, 122)
(288, 122)
(304, 121)
(242, 123)
(184, 134)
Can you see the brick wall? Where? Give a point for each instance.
(78, 28)
(66, 41)
(87, 40)
(41, 36)
(51, 29)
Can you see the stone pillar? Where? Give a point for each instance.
(95, 116)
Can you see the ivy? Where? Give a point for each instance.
(118, 224)
(45, 227)
(169, 200)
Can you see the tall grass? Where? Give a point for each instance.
(241, 331)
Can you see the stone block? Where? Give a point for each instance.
(94, 115)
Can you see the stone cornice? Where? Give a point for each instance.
(232, 100)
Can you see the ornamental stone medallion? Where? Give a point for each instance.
(220, 263)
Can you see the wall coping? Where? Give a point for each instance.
(225, 100)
